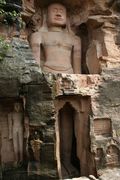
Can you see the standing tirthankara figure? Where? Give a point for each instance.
(16, 121)
(60, 48)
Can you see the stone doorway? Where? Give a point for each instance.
(74, 158)
(70, 164)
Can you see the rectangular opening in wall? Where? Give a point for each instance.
(102, 127)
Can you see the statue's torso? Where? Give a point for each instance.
(57, 48)
(17, 119)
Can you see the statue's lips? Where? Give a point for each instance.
(58, 19)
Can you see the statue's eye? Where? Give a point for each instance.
(61, 10)
(55, 10)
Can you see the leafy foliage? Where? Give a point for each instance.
(4, 46)
(10, 17)
(1, 10)
(2, 2)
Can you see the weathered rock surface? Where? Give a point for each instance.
(111, 174)
(20, 76)
(98, 25)
(91, 177)
(81, 178)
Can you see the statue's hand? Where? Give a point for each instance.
(26, 134)
(26, 127)
(10, 137)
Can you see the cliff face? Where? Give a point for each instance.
(91, 100)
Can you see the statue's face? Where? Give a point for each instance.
(17, 107)
(56, 15)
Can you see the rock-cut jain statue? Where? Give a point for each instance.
(15, 121)
(61, 48)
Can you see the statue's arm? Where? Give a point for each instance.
(77, 56)
(26, 126)
(10, 124)
(35, 43)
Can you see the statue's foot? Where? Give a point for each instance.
(20, 163)
(38, 168)
(70, 169)
(65, 173)
(15, 163)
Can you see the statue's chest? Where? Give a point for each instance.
(57, 39)
(17, 116)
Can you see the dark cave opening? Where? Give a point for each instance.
(68, 146)
(74, 159)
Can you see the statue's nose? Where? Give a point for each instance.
(58, 14)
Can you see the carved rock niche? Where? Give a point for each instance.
(34, 146)
(68, 156)
(6, 147)
(113, 156)
(72, 137)
(102, 127)
(99, 158)
(11, 132)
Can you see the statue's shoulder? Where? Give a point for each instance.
(40, 37)
(76, 40)
(74, 37)
(35, 37)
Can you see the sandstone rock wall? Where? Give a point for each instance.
(97, 23)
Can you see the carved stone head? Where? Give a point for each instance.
(17, 107)
(57, 15)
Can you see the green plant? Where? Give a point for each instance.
(4, 46)
(2, 2)
(10, 17)
(1, 10)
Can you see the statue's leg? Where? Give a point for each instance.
(15, 144)
(20, 136)
(38, 168)
(82, 139)
(78, 129)
(66, 137)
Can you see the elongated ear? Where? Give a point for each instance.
(44, 21)
(68, 26)
(9, 116)
(23, 101)
(10, 124)
(26, 120)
